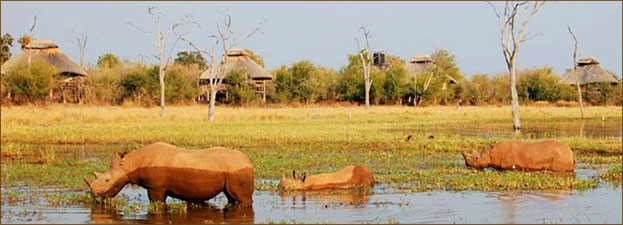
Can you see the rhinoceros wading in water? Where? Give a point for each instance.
(514, 155)
(349, 177)
(191, 175)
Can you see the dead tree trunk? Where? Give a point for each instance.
(511, 38)
(575, 70)
(215, 74)
(366, 59)
(163, 60)
(81, 43)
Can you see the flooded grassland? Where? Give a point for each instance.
(413, 152)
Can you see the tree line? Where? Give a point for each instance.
(113, 81)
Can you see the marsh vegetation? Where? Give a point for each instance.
(55, 146)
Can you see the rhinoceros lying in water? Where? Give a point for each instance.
(514, 155)
(349, 177)
(191, 175)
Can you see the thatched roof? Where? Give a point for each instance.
(421, 59)
(419, 63)
(589, 71)
(239, 59)
(49, 52)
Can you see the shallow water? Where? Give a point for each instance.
(591, 129)
(601, 205)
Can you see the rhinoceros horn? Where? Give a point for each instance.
(97, 174)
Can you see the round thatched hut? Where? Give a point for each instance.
(72, 88)
(49, 52)
(257, 76)
(590, 76)
(589, 72)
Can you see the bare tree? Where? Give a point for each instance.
(161, 36)
(81, 43)
(225, 40)
(366, 61)
(511, 38)
(30, 35)
(575, 69)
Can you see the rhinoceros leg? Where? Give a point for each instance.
(239, 185)
(156, 195)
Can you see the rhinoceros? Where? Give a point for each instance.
(191, 175)
(514, 155)
(349, 177)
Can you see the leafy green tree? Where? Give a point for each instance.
(350, 86)
(304, 85)
(34, 82)
(538, 84)
(143, 85)
(5, 47)
(238, 89)
(190, 58)
(284, 84)
(478, 90)
(108, 60)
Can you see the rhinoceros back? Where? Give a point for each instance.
(217, 159)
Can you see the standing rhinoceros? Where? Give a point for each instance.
(191, 175)
(514, 155)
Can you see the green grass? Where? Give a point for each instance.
(278, 140)
(614, 173)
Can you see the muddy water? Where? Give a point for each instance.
(601, 205)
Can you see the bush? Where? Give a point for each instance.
(108, 60)
(238, 89)
(32, 83)
(142, 85)
(539, 84)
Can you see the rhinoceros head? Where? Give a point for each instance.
(478, 160)
(295, 182)
(109, 183)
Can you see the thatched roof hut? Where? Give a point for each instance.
(419, 63)
(239, 59)
(49, 52)
(589, 72)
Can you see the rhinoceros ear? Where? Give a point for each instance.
(283, 176)
(293, 174)
(304, 177)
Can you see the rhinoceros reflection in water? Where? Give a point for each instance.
(191, 175)
(242, 213)
(327, 197)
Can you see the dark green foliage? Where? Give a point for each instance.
(142, 85)
(297, 83)
(108, 60)
(538, 84)
(6, 43)
(33, 82)
(478, 90)
(190, 58)
(239, 90)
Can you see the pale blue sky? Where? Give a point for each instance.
(323, 31)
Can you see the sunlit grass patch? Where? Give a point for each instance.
(466, 179)
(614, 173)
(398, 144)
